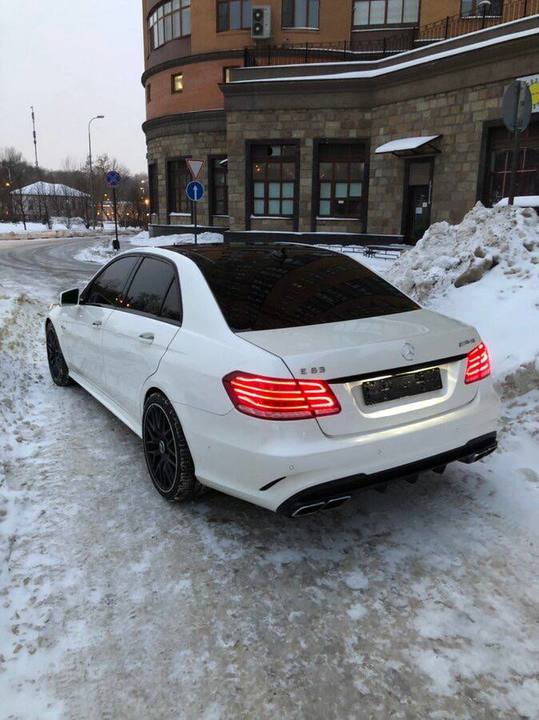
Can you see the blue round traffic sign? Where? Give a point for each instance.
(195, 191)
(113, 178)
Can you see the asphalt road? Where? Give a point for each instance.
(50, 263)
(420, 603)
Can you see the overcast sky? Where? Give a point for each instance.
(72, 59)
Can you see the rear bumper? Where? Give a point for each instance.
(268, 463)
(318, 496)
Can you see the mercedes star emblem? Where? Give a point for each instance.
(408, 351)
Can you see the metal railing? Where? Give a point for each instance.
(456, 25)
(359, 49)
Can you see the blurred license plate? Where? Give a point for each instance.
(399, 386)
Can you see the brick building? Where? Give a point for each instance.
(295, 129)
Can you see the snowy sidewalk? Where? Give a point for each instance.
(420, 603)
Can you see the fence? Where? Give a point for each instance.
(456, 25)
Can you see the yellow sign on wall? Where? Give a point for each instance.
(532, 81)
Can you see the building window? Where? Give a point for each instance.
(148, 92)
(301, 14)
(274, 170)
(341, 180)
(153, 188)
(219, 186)
(177, 82)
(233, 15)
(178, 176)
(385, 12)
(500, 159)
(471, 8)
(227, 73)
(169, 21)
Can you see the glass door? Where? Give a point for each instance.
(417, 198)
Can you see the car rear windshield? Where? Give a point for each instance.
(288, 286)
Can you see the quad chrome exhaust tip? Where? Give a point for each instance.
(315, 507)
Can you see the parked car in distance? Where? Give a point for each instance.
(286, 375)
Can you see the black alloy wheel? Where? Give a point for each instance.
(57, 364)
(167, 454)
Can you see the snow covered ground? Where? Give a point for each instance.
(75, 226)
(420, 603)
(102, 252)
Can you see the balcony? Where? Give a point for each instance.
(409, 39)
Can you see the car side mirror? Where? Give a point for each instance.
(70, 297)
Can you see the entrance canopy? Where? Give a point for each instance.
(410, 146)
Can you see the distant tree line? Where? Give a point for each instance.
(16, 172)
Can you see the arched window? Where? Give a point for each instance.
(169, 21)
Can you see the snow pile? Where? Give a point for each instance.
(100, 253)
(143, 238)
(484, 271)
(18, 227)
(103, 252)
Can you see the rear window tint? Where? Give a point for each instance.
(172, 309)
(288, 286)
(149, 286)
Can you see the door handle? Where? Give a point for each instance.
(147, 337)
(97, 323)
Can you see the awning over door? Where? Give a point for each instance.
(410, 146)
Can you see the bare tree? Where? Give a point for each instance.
(19, 173)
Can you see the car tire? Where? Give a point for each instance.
(168, 458)
(57, 364)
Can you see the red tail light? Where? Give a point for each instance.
(280, 399)
(477, 365)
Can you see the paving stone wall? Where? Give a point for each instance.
(302, 125)
(198, 145)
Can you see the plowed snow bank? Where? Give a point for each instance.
(484, 271)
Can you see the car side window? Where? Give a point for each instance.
(172, 306)
(108, 287)
(149, 286)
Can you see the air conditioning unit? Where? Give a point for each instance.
(261, 22)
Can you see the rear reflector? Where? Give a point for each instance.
(477, 364)
(280, 399)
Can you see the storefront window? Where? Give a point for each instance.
(178, 176)
(500, 159)
(153, 188)
(273, 179)
(219, 186)
(341, 180)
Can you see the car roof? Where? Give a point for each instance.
(245, 251)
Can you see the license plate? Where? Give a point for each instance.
(399, 386)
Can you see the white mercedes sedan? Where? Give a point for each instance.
(286, 375)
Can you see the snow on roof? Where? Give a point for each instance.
(423, 60)
(410, 143)
(50, 189)
(521, 201)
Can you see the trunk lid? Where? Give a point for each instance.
(348, 354)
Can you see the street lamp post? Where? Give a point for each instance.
(92, 202)
(484, 5)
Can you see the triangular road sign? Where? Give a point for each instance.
(195, 166)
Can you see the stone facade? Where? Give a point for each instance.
(459, 116)
(196, 138)
(457, 97)
(293, 125)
